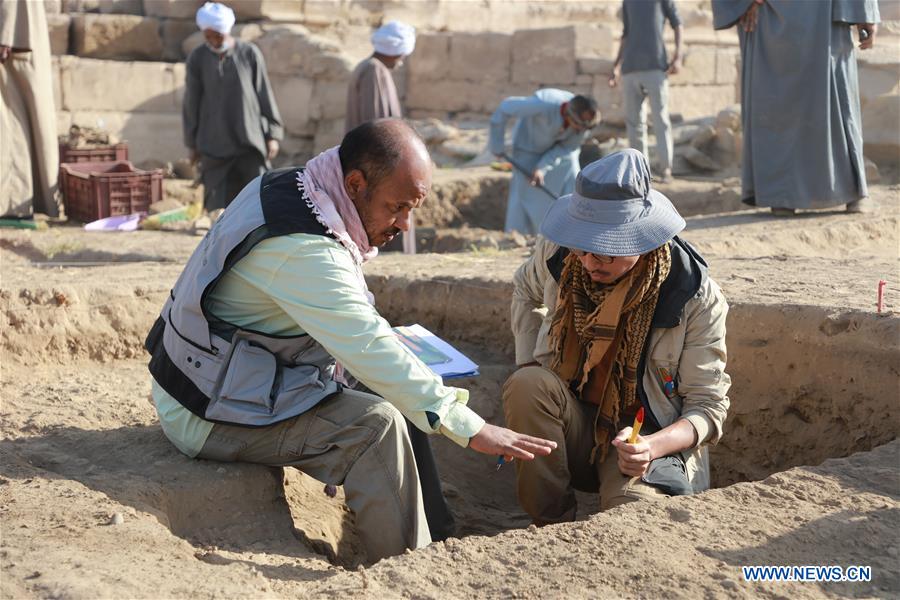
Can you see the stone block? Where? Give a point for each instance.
(595, 41)
(117, 37)
(329, 133)
(53, 7)
(431, 59)
(728, 66)
(879, 70)
(56, 82)
(695, 101)
(544, 56)
(150, 136)
(109, 85)
(595, 66)
(268, 10)
(295, 150)
(697, 68)
(59, 25)
(609, 101)
(172, 9)
(480, 56)
(292, 50)
(174, 32)
(122, 7)
(329, 100)
(294, 98)
(881, 124)
(443, 96)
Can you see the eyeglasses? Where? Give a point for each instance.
(603, 260)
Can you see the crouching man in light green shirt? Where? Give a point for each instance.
(303, 283)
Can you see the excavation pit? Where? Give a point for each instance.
(810, 382)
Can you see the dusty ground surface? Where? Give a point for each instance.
(95, 503)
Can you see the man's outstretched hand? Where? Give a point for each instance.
(500, 441)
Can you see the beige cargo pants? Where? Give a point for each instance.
(539, 403)
(352, 439)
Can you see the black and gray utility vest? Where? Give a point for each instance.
(222, 372)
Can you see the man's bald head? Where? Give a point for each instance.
(387, 174)
(379, 147)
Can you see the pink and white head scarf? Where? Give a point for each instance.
(322, 186)
(323, 190)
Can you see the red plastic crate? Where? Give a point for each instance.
(98, 190)
(96, 154)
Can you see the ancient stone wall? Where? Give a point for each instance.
(119, 63)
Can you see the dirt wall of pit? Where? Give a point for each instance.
(808, 382)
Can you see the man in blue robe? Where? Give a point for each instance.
(551, 126)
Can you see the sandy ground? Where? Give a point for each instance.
(95, 503)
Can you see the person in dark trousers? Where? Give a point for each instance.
(231, 121)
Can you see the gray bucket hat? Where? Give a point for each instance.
(613, 211)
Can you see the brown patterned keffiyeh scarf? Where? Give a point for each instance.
(599, 331)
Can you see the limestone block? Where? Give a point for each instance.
(294, 150)
(174, 32)
(292, 50)
(445, 95)
(544, 56)
(179, 72)
(595, 66)
(879, 70)
(704, 137)
(329, 133)
(431, 59)
(697, 68)
(595, 41)
(59, 25)
(881, 124)
(172, 9)
(90, 84)
(480, 56)
(728, 66)
(294, 98)
(116, 37)
(729, 118)
(268, 10)
(873, 174)
(63, 122)
(56, 82)
(53, 7)
(609, 101)
(122, 7)
(695, 101)
(150, 136)
(329, 100)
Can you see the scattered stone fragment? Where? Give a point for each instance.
(703, 137)
(873, 175)
(699, 159)
(117, 519)
(679, 515)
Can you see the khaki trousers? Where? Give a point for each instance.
(352, 439)
(539, 403)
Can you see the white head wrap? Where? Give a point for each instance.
(215, 16)
(394, 39)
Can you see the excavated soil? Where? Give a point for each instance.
(94, 502)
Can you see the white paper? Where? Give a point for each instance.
(438, 355)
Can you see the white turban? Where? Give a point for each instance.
(215, 16)
(394, 39)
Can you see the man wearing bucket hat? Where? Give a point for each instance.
(612, 313)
